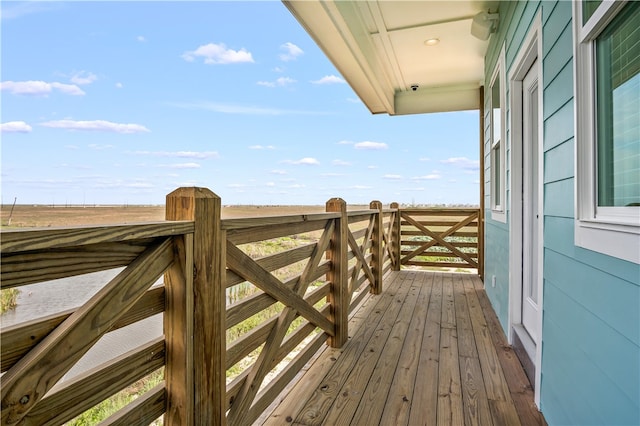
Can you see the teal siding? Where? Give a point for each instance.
(591, 321)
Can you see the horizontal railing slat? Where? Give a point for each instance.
(19, 339)
(142, 411)
(256, 222)
(90, 388)
(41, 239)
(250, 235)
(439, 264)
(45, 265)
(435, 211)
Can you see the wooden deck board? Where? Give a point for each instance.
(427, 351)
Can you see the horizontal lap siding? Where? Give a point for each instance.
(591, 319)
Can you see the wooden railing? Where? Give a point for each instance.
(239, 323)
(438, 237)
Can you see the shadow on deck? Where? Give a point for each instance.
(427, 351)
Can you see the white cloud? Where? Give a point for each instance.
(279, 82)
(278, 69)
(291, 52)
(119, 85)
(340, 163)
(331, 174)
(182, 166)
(346, 143)
(278, 172)
(308, 161)
(96, 125)
(218, 54)
(242, 109)
(360, 187)
(432, 176)
(395, 177)
(83, 77)
(39, 88)
(270, 184)
(463, 162)
(236, 185)
(141, 39)
(329, 79)
(98, 147)
(368, 145)
(354, 100)
(372, 167)
(424, 159)
(296, 185)
(261, 147)
(200, 155)
(15, 127)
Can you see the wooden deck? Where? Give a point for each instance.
(429, 350)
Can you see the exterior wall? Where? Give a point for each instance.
(591, 318)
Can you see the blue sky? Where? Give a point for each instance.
(122, 102)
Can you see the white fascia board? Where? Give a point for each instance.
(438, 99)
(328, 28)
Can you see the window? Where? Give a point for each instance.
(607, 73)
(497, 139)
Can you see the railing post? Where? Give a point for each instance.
(376, 248)
(339, 295)
(396, 236)
(205, 361)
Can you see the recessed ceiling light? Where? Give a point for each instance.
(431, 41)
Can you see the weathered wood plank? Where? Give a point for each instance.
(178, 330)
(519, 386)
(204, 208)
(246, 395)
(425, 393)
(263, 221)
(397, 405)
(245, 266)
(19, 269)
(142, 411)
(37, 372)
(353, 363)
(474, 398)
(275, 261)
(494, 380)
(303, 389)
(434, 211)
(19, 339)
(468, 234)
(90, 388)
(370, 405)
(49, 238)
(250, 235)
(439, 264)
(271, 391)
(449, 388)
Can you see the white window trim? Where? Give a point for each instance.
(614, 231)
(499, 212)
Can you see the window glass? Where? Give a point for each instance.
(496, 176)
(588, 7)
(495, 110)
(618, 110)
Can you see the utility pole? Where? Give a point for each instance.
(11, 213)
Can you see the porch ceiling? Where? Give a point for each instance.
(379, 47)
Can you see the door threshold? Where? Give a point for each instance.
(525, 349)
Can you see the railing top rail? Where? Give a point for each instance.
(351, 213)
(252, 222)
(439, 210)
(46, 238)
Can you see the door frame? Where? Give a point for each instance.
(530, 51)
